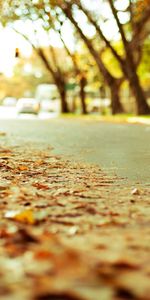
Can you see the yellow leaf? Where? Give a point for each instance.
(25, 216)
(23, 168)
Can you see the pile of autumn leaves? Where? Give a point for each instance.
(70, 232)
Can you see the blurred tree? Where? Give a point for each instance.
(132, 22)
(136, 29)
(48, 56)
(113, 82)
(80, 74)
(27, 10)
(41, 10)
(144, 69)
(59, 71)
(128, 63)
(59, 75)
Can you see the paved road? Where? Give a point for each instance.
(123, 149)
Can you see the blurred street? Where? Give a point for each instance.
(121, 149)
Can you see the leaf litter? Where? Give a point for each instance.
(68, 231)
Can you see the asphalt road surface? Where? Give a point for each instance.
(121, 149)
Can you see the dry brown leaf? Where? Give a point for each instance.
(40, 186)
(135, 191)
(2, 133)
(23, 168)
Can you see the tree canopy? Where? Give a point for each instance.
(114, 35)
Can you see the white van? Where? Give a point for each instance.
(47, 95)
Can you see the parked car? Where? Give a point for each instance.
(28, 105)
(9, 101)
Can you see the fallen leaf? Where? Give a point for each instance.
(135, 191)
(23, 168)
(40, 186)
(2, 133)
(25, 216)
(73, 230)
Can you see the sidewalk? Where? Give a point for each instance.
(112, 118)
(69, 231)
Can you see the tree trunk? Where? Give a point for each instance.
(63, 98)
(130, 71)
(73, 107)
(116, 105)
(129, 67)
(82, 95)
(142, 106)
